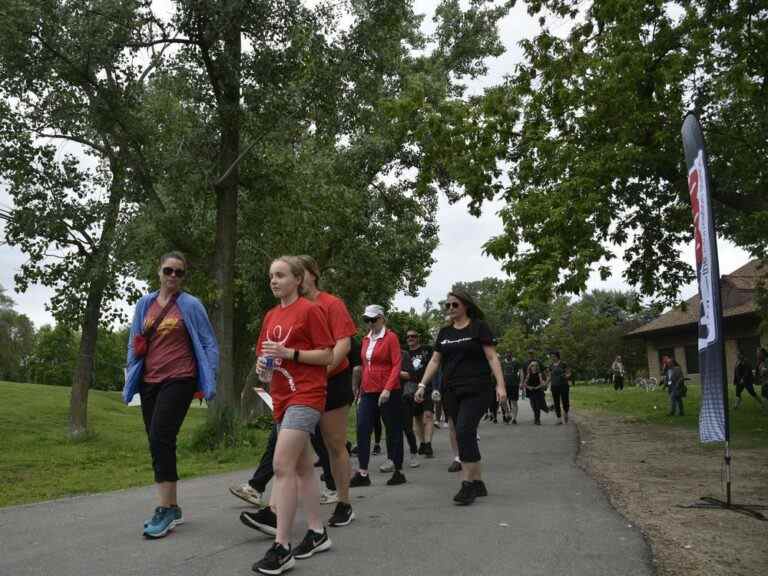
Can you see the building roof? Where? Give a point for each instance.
(737, 291)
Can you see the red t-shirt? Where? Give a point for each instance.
(339, 321)
(169, 355)
(300, 326)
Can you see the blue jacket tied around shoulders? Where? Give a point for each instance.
(204, 345)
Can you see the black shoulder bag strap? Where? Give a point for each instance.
(153, 328)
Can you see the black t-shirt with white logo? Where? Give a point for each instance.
(419, 359)
(463, 358)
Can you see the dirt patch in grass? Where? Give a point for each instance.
(648, 470)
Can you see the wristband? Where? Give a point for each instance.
(295, 355)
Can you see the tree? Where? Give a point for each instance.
(65, 76)
(589, 128)
(55, 355)
(400, 322)
(332, 116)
(16, 341)
(588, 333)
(196, 116)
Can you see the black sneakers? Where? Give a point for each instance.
(421, 449)
(428, 452)
(455, 466)
(277, 560)
(312, 543)
(466, 495)
(263, 520)
(397, 478)
(480, 489)
(359, 480)
(342, 515)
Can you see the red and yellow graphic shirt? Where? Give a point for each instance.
(169, 356)
(300, 326)
(339, 321)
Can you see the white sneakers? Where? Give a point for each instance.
(248, 493)
(387, 466)
(329, 496)
(413, 462)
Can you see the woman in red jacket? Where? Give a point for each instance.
(296, 340)
(380, 390)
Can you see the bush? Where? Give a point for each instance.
(223, 429)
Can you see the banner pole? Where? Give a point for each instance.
(714, 416)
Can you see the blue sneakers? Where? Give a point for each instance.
(164, 520)
(177, 512)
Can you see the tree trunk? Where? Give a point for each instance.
(226, 216)
(83, 375)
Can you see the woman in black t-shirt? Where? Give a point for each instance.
(466, 352)
(536, 385)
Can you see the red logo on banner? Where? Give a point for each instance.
(693, 189)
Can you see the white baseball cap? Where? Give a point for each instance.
(373, 311)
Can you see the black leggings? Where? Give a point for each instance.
(749, 387)
(466, 413)
(164, 407)
(265, 471)
(561, 394)
(538, 403)
(367, 413)
(408, 411)
(322, 455)
(377, 430)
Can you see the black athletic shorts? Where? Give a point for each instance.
(339, 391)
(426, 405)
(513, 392)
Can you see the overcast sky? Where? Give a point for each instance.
(459, 255)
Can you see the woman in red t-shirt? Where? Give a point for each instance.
(340, 395)
(295, 335)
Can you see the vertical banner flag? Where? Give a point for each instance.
(713, 426)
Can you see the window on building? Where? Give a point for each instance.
(692, 359)
(664, 352)
(749, 346)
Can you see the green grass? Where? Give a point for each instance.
(749, 425)
(39, 462)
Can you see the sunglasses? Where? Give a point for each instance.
(449, 305)
(370, 320)
(411, 335)
(178, 272)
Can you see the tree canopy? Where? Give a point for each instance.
(589, 135)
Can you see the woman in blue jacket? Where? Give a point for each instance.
(172, 354)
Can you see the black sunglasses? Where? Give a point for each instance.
(411, 335)
(449, 305)
(370, 320)
(178, 272)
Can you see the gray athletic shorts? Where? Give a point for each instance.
(301, 418)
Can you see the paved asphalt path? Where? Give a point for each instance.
(543, 516)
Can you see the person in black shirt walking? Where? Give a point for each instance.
(744, 380)
(535, 386)
(423, 412)
(511, 370)
(558, 384)
(466, 352)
